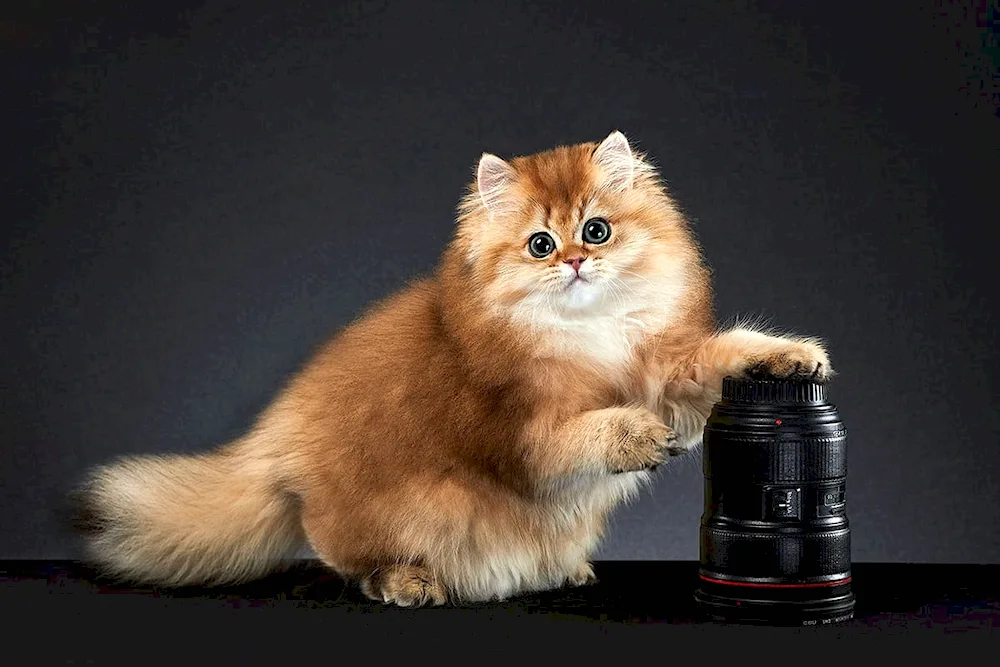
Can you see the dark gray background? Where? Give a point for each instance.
(193, 201)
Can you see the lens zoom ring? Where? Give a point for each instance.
(763, 460)
(784, 555)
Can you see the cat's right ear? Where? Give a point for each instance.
(493, 179)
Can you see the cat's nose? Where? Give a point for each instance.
(575, 263)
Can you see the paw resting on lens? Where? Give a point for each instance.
(796, 361)
(639, 440)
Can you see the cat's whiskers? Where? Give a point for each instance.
(641, 277)
(547, 288)
(613, 287)
(638, 323)
(660, 331)
(547, 293)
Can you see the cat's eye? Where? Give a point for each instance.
(541, 245)
(596, 230)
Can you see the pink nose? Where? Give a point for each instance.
(575, 263)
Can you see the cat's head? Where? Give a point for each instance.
(572, 233)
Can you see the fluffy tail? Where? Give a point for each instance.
(217, 518)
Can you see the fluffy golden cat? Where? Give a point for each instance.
(465, 439)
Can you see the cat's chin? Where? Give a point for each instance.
(580, 295)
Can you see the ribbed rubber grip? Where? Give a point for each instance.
(784, 392)
(782, 556)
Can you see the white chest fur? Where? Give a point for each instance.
(603, 341)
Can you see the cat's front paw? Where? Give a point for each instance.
(795, 360)
(404, 586)
(637, 440)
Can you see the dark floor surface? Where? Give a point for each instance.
(62, 611)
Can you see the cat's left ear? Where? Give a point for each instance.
(616, 162)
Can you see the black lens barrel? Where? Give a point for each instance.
(775, 541)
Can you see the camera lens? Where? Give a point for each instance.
(775, 541)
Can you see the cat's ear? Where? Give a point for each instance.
(616, 162)
(493, 179)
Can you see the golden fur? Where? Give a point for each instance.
(466, 438)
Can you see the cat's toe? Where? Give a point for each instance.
(404, 586)
(583, 576)
(798, 361)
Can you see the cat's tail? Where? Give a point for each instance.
(177, 520)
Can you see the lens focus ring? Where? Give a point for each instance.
(800, 556)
